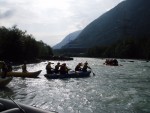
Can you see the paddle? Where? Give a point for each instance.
(93, 72)
(22, 110)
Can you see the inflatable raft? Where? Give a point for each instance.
(5, 81)
(23, 74)
(71, 74)
(9, 106)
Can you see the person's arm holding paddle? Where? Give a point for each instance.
(86, 66)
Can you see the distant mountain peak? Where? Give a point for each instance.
(70, 37)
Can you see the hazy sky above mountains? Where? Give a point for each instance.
(52, 20)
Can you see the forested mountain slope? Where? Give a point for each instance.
(129, 19)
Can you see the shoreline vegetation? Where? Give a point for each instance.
(129, 48)
(17, 46)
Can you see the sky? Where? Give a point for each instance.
(52, 20)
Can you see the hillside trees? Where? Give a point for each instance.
(129, 48)
(16, 45)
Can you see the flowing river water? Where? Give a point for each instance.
(113, 89)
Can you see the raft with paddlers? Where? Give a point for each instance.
(62, 71)
(70, 74)
(111, 62)
(5, 81)
(23, 74)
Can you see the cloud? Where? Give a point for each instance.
(52, 20)
(6, 13)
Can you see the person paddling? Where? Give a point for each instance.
(57, 68)
(63, 69)
(49, 68)
(24, 68)
(85, 67)
(78, 67)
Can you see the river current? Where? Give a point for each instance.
(113, 89)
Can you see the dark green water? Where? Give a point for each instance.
(120, 89)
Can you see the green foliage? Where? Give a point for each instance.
(16, 45)
(44, 50)
(128, 48)
(96, 51)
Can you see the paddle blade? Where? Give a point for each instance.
(93, 73)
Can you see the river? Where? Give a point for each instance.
(113, 89)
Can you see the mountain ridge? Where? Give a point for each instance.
(129, 18)
(67, 39)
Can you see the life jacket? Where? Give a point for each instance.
(84, 68)
(78, 68)
(63, 69)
